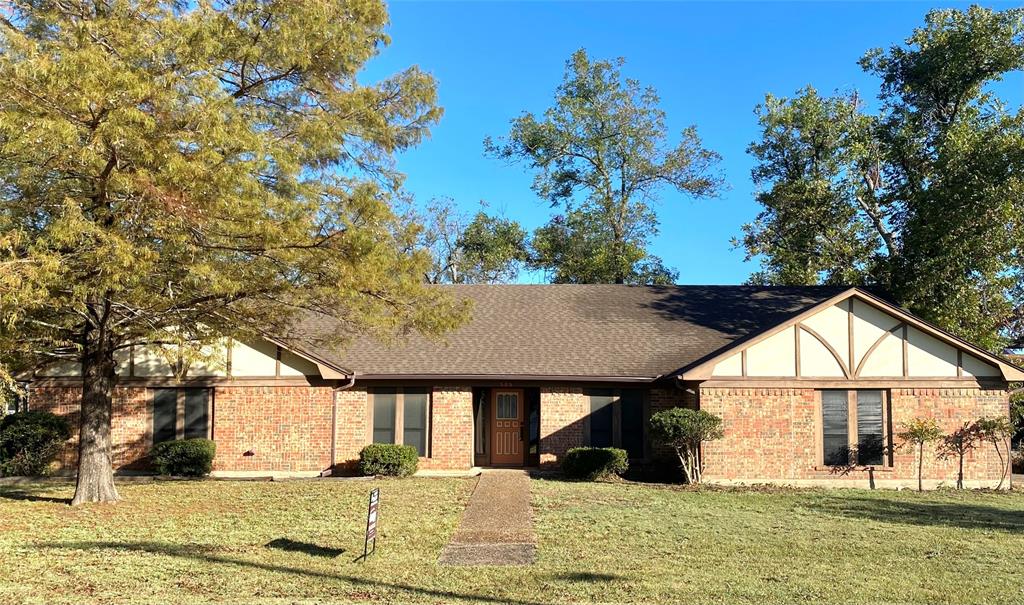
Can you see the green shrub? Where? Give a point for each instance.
(184, 458)
(388, 459)
(29, 441)
(685, 431)
(592, 463)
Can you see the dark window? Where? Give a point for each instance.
(401, 416)
(631, 403)
(165, 415)
(384, 403)
(601, 418)
(835, 412)
(197, 406)
(870, 433)
(414, 420)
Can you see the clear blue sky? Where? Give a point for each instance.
(711, 63)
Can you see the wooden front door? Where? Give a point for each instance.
(507, 427)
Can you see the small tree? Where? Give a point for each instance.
(920, 431)
(997, 430)
(685, 430)
(958, 443)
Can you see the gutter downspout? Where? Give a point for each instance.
(334, 423)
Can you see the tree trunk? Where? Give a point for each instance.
(960, 473)
(920, 466)
(95, 470)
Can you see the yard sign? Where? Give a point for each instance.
(371, 523)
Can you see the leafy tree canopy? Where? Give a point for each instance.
(602, 153)
(177, 172)
(479, 250)
(923, 197)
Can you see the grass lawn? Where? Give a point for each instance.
(248, 542)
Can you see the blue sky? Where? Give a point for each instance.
(711, 63)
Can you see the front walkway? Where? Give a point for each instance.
(497, 525)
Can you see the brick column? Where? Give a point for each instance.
(451, 429)
(562, 411)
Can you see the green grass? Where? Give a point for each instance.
(248, 542)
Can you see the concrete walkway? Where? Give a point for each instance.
(497, 525)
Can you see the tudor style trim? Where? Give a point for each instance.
(703, 370)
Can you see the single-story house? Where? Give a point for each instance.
(812, 384)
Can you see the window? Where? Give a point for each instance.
(618, 418)
(402, 416)
(181, 414)
(853, 428)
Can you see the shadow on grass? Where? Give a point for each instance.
(199, 553)
(938, 514)
(27, 496)
(309, 548)
(585, 576)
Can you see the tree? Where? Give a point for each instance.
(685, 431)
(998, 431)
(482, 250)
(922, 197)
(602, 154)
(175, 173)
(958, 444)
(920, 432)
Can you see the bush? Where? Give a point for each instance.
(1018, 462)
(685, 430)
(185, 458)
(388, 459)
(29, 441)
(592, 463)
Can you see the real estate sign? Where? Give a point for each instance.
(371, 522)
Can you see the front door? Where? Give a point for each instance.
(508, 427)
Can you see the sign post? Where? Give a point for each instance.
(371, 523)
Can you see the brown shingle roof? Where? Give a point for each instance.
(582, 330)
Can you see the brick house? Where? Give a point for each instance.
(811, 382)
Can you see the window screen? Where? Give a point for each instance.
(631, 404)
(835, 430)
(197, 405)
(601, 418)
(414, 421)
(384, 402)
(165, 413)
(870, 446)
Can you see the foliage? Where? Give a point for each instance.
(388, 459)
(29, 441)
(593, 463)
(685, 430)
(602, 153)
(482, 250)
(998, 431)
(919, 432)
(184, 457)
(957, 444)
(179, 172)
(922, 197)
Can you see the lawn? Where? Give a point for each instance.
(249, 542)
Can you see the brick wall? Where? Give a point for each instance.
(130, 431)
(351, 427)
(273, 428)
(451, 429)
(772, 434)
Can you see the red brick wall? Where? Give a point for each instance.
(273, 428)
(130, 431)
(562, 411)
(451, 429)
(772, 434)
(351, 427)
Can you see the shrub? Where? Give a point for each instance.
(592, 463)
(29, 441)
(1018, 462)
(184, 458)
(388, 459)
(685, 430)
(919, 432)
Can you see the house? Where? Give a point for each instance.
(804, 378)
